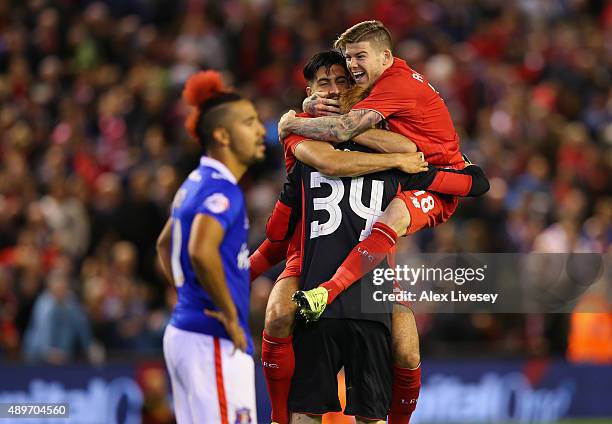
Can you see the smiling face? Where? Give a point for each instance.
(366, 62)
(329, 81)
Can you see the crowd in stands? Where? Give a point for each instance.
(93, 147)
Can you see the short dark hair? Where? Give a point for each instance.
(212, 115)
(327, 59)
(373, 31)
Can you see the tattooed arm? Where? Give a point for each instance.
(330, 128)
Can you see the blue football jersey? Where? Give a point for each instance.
(210, 189)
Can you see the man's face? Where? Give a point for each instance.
(329, 82)
(246, 132)
(365, 62)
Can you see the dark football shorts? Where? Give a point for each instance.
(322, 348)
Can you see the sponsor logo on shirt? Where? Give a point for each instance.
(243, 257)
(217, 203)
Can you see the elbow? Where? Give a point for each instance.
(410, 148)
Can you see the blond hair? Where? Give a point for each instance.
(373, 31)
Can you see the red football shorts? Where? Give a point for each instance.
(427, 209)
(293, 266)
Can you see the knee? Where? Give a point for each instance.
(280, 318)
(397, 216)
(410, 359)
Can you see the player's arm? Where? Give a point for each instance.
(385, 141)
(336, 163)
(204, 253)
(163, 251)
(280, 227)
(334, 129)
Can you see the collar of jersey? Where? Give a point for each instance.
(222, 169)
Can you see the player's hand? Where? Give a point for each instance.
(233, 328)
(411, 163)
(318, 105)
(283, 125)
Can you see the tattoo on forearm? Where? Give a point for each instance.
(337, 128)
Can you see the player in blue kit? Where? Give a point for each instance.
(203, 251)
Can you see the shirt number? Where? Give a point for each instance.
(175, 260)
(331, 204)
(425, 203)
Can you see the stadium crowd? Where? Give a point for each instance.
(93, 148)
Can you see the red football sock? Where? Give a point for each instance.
(406, 387)
(278, 366)
(451, 183)
(363, 258)
(266, 256)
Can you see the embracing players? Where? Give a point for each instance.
(277, 352)
(203, 252)
(408, 105)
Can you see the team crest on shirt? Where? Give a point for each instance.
(217, 203)
(243, 416)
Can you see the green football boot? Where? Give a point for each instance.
(312, 302)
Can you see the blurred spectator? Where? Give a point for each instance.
(58, 328)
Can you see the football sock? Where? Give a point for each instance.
(363, 258)
(266, 256)
(278, 365)
(406, 387)
(451, 183)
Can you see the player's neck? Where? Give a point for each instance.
(389, 65)
(231, 162)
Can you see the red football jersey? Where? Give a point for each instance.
(290, 143)
(413, 108)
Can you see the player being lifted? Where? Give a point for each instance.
(203, 252)
(322, 73)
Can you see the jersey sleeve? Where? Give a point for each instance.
(390, 94)
(287, 211)
(223, 201)
(291, 141)
(291, 193)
